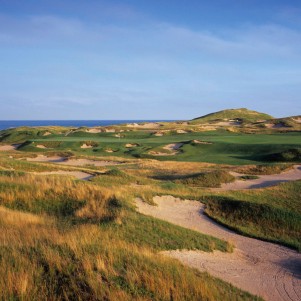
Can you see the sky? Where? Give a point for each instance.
(148, 59)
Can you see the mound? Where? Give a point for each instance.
(233, 115)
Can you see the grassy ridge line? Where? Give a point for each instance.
(272, 214)
(244, 114)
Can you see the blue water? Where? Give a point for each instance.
(5, 124)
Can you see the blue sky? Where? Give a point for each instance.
(142, 59)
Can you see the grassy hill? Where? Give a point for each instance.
(233, 114)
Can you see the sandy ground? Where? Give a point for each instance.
(263, 181)
(9, 147)
(265, 269)
(42, 158)
(93, 130)
(78, 174)
(83, 162)
(71, 162)
(172, 148)
(86, 146)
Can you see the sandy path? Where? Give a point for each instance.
(263, 181)
(78, 174)
(262, 268)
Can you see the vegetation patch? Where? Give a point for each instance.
(272, 214)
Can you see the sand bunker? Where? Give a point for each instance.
(77, 174)
(83, 162)
(131, 145)
(93, 130)
(46, 134)
(43, 158)
(9, 147)
(71, 162)
(201, 142)
(41, 146)
(181, 132)
(262, 268)
(149, 125)
(172, 149)
(262, 181)
(86, 146)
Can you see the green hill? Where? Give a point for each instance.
(233, 114)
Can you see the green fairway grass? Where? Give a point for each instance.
(225, 147)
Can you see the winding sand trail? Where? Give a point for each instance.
(262, 268)
(262, 181)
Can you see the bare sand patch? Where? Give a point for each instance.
(262, 268)
(201, 142)
(40, 146)
(110, 130)
(171, 148)
(77, 174)
(94, 130)
(86, 146)
(181, 132)
(83, 162)
(46, 134)
(9, 147)
(262, 181)
(131, 145)
(43, 158)
(297, 119)
(148, 125)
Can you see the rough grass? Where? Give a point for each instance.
(264, 169)
(69, 240)
(272, 214)
(209, 179)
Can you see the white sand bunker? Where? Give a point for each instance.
(149, 125)
(158, 134)
(129, 145)
(172, 149)
(265, 269)
(9, 147)
(43, 158)
(47, 134)
(86, 146)
(40, 146)
(262, 181)
(201, 142)
(83, 162)
(181, 132)
(77, 174)
(94, 130)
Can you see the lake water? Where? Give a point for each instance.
(5, 124)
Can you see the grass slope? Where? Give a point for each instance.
(234, 114)
(273, 213)
(70, 240)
